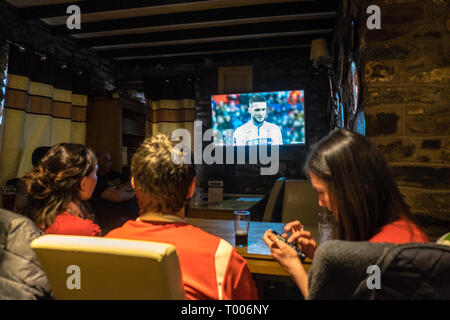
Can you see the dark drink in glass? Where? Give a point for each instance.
(241, 238)
(241, 226)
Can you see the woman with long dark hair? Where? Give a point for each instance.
(354, 183)
(57, 189)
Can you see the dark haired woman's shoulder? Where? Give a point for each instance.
(69, 224)
(401, 230)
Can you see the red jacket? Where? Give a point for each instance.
(400, 231)
(211, 268)
(69, 224)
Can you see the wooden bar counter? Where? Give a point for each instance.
(200, 208)
(256, 253)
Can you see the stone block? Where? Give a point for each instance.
(432, 35)
(430, 151)
(382, 35)
(433, 203)
(431, 144)
(428, 111)
(422, 176)
(437, 59)
(441, 75)
(414, 150)
(440, 3)
(396, 151)
(386, 95)
(445, 151)
(378, 72)
(395, 1)
(383, 121)
(437, 9)
(397, 14)
(428, 120)
(414, 67)
(398, 50)
(437, 126)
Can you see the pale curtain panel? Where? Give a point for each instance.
(35, 133)
(79, 114)
(45, 104)
(167, 127)
(171, 106)
(9, 156)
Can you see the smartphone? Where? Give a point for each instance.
(301, 255)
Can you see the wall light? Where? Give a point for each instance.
(319, 52)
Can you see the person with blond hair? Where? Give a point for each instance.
(211, 268)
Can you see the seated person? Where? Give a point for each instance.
(111, 185)
(21, 274)
(113, 201)
(58, 188)
(21, 195)
(211, 268)
(354, 183)
(36, 156)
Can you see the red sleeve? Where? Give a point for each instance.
(400, 231)
(239, 283)
(68, 224)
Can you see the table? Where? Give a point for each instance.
(257, 253)
(200, 208)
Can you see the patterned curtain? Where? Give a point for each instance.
(171, 105)
(45, 104)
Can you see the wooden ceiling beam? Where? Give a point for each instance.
(230, 52)
(36, 3)
(199, 35)
(206, 16)
(214, 47)
(214, 39)
(204, 25)
(140, 62)
(119, 9)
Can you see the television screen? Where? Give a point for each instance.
(259, 118)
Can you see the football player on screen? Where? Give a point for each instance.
(257, 131)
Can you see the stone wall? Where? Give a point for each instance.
(36, 35)
(406, 94)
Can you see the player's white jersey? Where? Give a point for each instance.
(250, 135)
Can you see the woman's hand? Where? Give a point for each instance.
(283, 253)
(301, 237)
(288, 259)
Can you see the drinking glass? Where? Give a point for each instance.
(241, 226)
(197, 196)
(325, 226)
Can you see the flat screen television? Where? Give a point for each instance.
(259, 118)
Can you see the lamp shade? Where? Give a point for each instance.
(319, 49)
